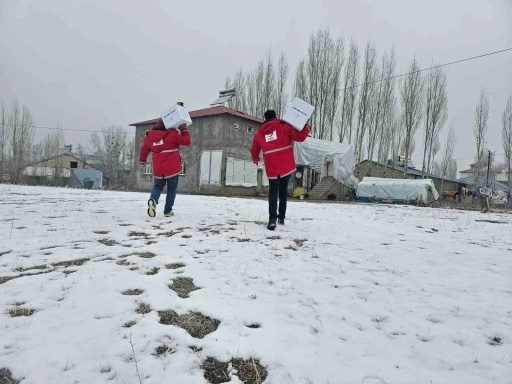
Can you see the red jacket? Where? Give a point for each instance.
(165, 145)
(275, 139)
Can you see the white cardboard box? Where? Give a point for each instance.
(298, 113)
(176, 116)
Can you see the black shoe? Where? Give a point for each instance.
(271, 224)
(281, 221)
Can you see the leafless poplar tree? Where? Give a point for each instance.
(380, 101)
(447, 160)
(52, 142)
(480, 130)
(350, 89)
(112, 149)
(506, 135)
(281, 95)
(412, 107)
(317, 81)
(5, 134)
(436, 113)
(22, 128)
(365, 99)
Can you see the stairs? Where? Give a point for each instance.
(321, 190)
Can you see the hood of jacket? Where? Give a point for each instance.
(156, 135)
(269, 126)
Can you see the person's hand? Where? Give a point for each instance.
(256, 163)
(182, 127)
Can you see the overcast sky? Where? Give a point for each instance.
(94, 63)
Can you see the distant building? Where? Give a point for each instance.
(373, 168)
(59, 170)
(218, 160)
(498, 171)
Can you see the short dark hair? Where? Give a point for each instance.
(270, 114)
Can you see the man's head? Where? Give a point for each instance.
(270, 114)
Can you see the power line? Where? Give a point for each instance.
(430, 68)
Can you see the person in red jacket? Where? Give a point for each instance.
(165, 146)
(275, 139)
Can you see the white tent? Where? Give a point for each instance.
(397, 190)
(314, 153)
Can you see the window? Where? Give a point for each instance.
(236, 127)
(241, 173)
(250, 129)
(183, 169)
(211, 162)
(73, 164)
(148, 169)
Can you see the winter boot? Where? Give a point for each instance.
(281, 221)
(271, 224)
(152, 208)
(170, 214)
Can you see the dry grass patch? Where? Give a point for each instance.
(23, 269)
(248, 371)
(174, 265)
(290, 248)
(169, 234)
(183, 286)
(18, 312)
(3, 253)
(491, 221)
(300, 242)
(273, 237)
(153, 271)
(495, 340)
(186, 236)
(163, 350)
(129, 324)
(108, 242)
(143, 309)
(195, 323)
(6, 377)
(69, 263)
(101, 232)
(144, 255)
(132, 292)
(138, 234)
(253, 325)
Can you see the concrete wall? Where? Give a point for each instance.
(376, 170)
(231, 134)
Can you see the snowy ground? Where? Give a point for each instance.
(343, 294)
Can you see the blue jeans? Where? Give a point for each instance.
(158, 187)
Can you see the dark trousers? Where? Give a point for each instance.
(158, 187)
(278, 189)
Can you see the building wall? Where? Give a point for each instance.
(58, 166)
(377, 170)
(230, 134)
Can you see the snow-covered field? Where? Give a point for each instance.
(343, 294)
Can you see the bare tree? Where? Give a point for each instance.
(480, 131)
(5, 134)
(350, 78)
(412, 107)
(506, 135)
(436, 113)
(112, 150)
(446, 165)
(239, 102)
(81, 152)
(52, 142)
(281, 96)
(365, 99)
(21, 137)
(381, 99)
(317, 80)
(434, 150)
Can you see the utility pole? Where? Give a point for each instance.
(488, 169)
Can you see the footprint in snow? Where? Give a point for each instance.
(372, 379)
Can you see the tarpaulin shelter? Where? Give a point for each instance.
(402, 191)
(315, 153)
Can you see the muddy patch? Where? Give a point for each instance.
(132, 292)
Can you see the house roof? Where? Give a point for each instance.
(496, 167)
(211, 111)
(410, 171)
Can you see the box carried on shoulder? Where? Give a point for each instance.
(176, 116)
(298, 113)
